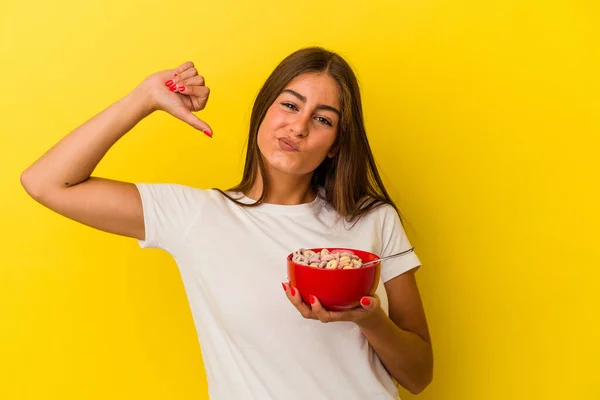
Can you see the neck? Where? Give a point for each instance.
(284, 189)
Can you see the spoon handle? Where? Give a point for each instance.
(392, 256)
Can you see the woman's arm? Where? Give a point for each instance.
(61, 179)
(402, 340)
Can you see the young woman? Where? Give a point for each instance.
(310, 180)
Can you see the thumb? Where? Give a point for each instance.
(190, 118)
(369, 303)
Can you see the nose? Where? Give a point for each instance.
(299, 126)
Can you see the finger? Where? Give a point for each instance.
(202, 92)
(197, 80)
(370, 303)
(325, 315)
(171, 85)
(187, 74)
(322, 314)
(190, 118)
(197, 105)
(183, 67)
(294, 296)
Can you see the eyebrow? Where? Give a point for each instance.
(319, 107)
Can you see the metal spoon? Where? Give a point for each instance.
(392, 256)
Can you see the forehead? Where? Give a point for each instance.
(318, 88)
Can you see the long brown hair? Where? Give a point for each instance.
(351, 181)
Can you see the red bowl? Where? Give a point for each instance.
(336, 289)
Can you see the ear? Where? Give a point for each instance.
(335, 147)
(333, 151)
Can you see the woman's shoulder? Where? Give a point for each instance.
(377, 209)
(367, 214)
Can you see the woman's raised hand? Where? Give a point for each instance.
(179, 92)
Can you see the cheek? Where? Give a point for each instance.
(265, 127)
(321, 147)
(274, 118)
(328, 141)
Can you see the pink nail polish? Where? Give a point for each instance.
(181, 88)
(169, 82)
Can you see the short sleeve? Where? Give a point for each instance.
(394, 240)
(169, 210)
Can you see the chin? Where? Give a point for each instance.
(286, 166)
(288, 169)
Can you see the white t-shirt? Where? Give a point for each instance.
(232, 260)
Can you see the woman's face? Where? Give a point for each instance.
(301, 126)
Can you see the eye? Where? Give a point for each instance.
(290, 106)
(324, 121)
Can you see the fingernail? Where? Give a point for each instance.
(181, 88)
(169, 82)
(365, 302)
(173, 88)
(312, 299)
(292, 291)
(282, 284)
(209, 134)
(175, 74)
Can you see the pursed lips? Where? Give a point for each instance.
(290, 143)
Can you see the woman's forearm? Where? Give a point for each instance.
(406, 356)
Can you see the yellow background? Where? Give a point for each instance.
(483, 116)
